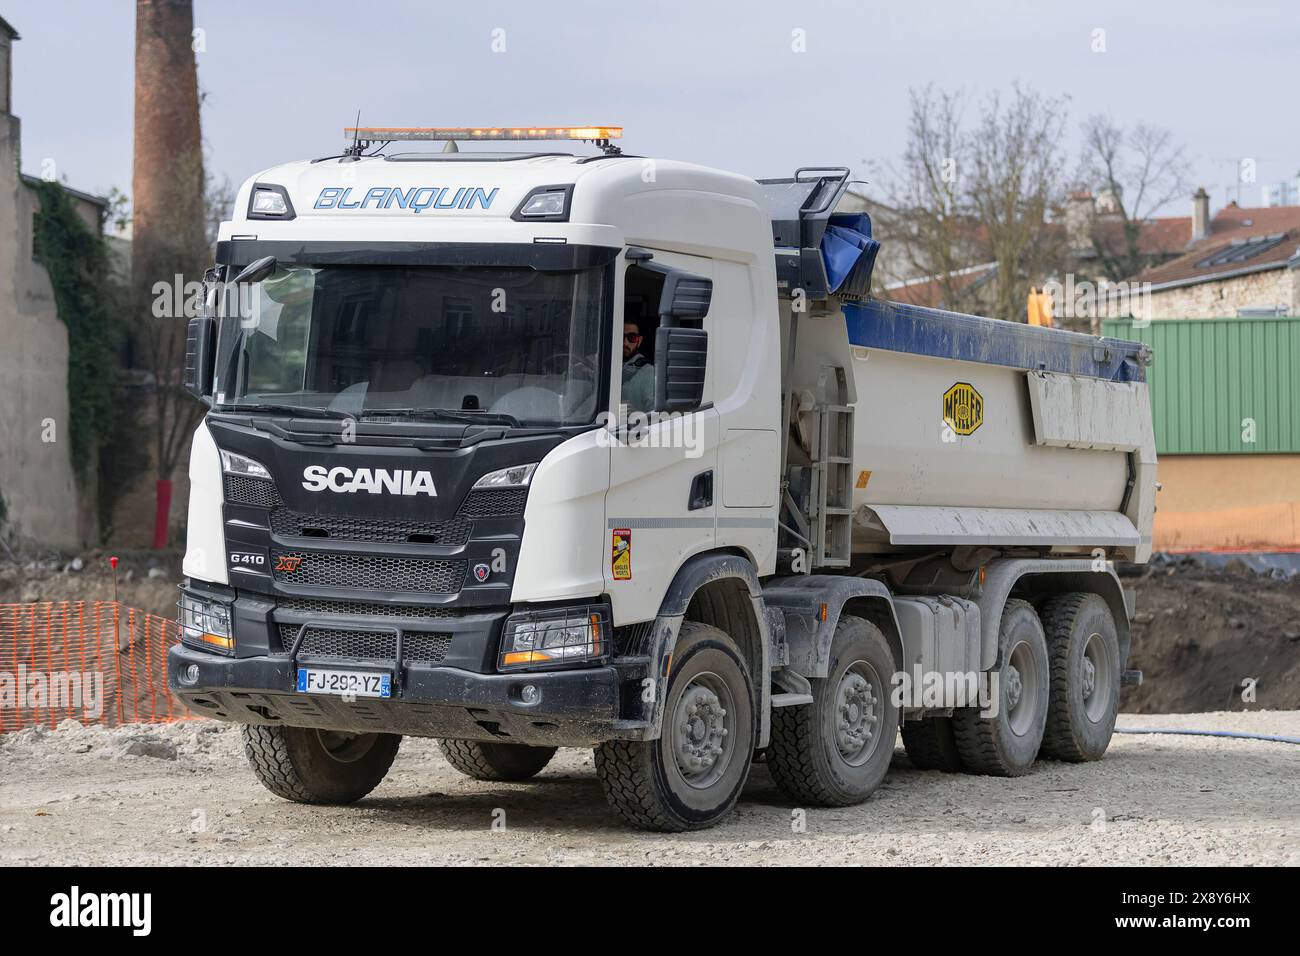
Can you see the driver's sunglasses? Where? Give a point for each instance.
(631, 336)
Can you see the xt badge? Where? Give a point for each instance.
(481, 572)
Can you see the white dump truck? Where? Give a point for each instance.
(525, 450)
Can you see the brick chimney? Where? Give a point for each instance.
(1200, 214)
(167, 180)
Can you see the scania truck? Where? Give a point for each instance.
(427, 498)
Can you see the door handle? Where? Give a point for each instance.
(701, 495)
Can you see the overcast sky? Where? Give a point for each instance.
(710, 82)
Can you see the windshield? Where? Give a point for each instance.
(510, 345)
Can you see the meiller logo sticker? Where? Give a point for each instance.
(374, 481)
(415, 198)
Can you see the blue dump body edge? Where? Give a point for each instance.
(898, 327)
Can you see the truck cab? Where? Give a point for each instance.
(503, 448)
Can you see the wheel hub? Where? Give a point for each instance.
(855, 714)
(1089, 677)
(1015, 686)
(701, 730)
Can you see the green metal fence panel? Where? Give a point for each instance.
(1221, 386)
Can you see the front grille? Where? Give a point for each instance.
(372, 608)
(424, 647)
(298, 524)
(328, 570)
(242, 490)
(494, 503)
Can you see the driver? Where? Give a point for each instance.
(638, 371)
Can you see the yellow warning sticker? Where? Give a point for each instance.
(963, 408)
(621, 554)
(863, 478)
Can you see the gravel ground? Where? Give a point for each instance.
(183, 794)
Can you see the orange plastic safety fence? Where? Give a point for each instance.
(96, 662)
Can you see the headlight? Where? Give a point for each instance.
(516, 476)
(551, 637)
(233, 464)
(545, 204)
(269, 202)
(205, 624)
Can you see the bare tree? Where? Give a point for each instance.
(1014, 188)
(168, 224)
(925, 212)
(969, 195)
(1141, 170)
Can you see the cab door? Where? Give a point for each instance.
(660, 508)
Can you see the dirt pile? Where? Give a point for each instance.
(1209, 639)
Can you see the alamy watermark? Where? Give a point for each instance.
(943, 689)
(30, 689)
(1086, 299)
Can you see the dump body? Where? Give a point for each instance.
(966, 431)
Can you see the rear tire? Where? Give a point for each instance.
(1083, 647)
(487, 761)
(690, 777)
(318, 766)
(1006, 744)
(835, 751)
(932, 745)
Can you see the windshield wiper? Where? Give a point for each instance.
(308, 411)
(453, 415)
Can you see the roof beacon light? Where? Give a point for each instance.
(362, 137)
(393, 134)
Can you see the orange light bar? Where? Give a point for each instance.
(225, 643)
(486, 133)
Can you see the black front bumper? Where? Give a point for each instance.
(567, 708)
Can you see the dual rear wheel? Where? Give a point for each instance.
(1056, 696)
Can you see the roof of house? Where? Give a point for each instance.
(8, 29)
(929, 291)
(1240, 241)
(1158, 237)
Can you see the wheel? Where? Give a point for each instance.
(690, 777)
(932, 745)
(318, 766)
(1083, 650)
(835, 751)
(485, 761)
(1006, 744)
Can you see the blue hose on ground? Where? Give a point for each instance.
(1240, 735)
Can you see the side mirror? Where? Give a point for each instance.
(257, 270)
(200, 355)
(681, 357)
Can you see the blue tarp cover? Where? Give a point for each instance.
(846, 243)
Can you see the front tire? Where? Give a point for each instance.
(1084, 650)
(692, 775)
(488, 761)
(1006, 744)
(835, 751)
(306, 765)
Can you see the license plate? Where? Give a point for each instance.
(312, 680)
